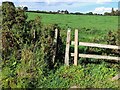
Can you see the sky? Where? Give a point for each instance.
(95, 6)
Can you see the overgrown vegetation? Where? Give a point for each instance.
(27, 48)
(83, 76)
(27, 52)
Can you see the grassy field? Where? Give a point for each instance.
(90, 27)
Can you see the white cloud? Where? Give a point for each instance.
(103, 1)
(102, 10)
(23, 6)
(50, 1)
(8, 0)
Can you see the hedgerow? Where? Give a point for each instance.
(27, 48)
(27, 52)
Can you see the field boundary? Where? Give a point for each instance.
(76, 54)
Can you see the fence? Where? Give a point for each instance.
(55, 43)
(76, 44)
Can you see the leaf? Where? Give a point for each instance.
(14, 63)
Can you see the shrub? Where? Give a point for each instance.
(27, 51)
(82, 76)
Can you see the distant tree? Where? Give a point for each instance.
(78, 13)
(107, 14)
(62, 12)
(66, 12)
(25, 8)
(95, 14)
(72, 13)
(58, 11)
(112, 12)
(116, 12)
(90, 13)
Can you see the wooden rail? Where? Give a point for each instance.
(76, 44)
(96, 45)
(97, 56)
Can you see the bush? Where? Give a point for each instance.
(28, 49)
(82, 76)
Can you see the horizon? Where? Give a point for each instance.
(98, 6)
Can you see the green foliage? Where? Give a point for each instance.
(20, 19)
(28, 48)
(11, 28)
(111, 40)
(23, 73)
(118, 37)
(88, 76)
(8, 12)
(0, 16)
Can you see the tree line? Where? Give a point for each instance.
(112, 13)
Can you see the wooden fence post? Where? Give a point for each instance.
(34, 34)
(67, 47)
(76, 47)
(55, 43)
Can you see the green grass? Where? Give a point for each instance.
(79, 21)
(90, 27)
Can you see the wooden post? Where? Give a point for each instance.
(116, 77)
(55, 43)
(76, 47)
(34, 34)
(67, 48)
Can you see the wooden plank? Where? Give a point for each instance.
(55, 43)
(67, 47)
(0, 41)
(97, 45)
(116, 77)
(34, 34)
(76, 47)
(98, 56)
